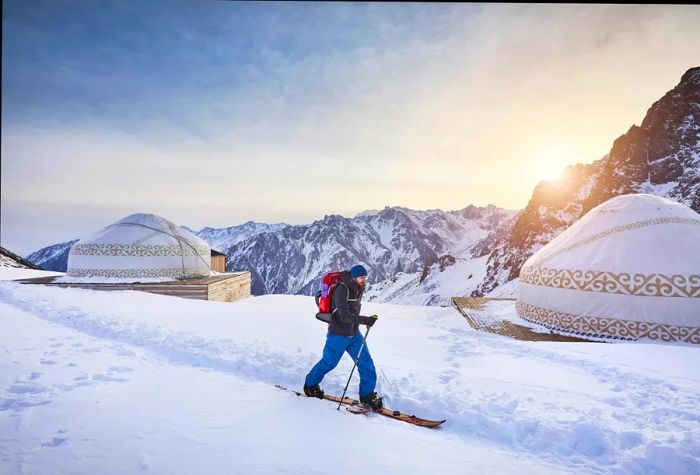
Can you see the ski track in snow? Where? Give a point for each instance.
(161, 412)
(642, 424)
(253, 361)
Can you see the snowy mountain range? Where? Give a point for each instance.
(415, 246)
(223, 238)
(394, 240)
(662, 157)
(425, 257)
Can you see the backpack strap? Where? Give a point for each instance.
(340, 282)
(348, 289)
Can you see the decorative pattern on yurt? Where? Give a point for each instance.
(629, 269)
(140, 246)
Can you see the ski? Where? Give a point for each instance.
(347, 400)
(410, 418)
(356, 407)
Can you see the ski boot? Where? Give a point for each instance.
(313, 391)
(372, 400)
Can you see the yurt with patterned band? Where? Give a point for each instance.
(140, 246)
(629, 269)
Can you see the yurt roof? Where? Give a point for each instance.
(140, 246)
(131, 229)
(612, 227)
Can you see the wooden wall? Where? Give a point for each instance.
(222, 288)
(218, 263)
(230, 290)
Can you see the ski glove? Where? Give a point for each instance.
(371, 320)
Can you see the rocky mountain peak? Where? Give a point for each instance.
(691, 76)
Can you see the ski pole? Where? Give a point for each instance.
(362, 347)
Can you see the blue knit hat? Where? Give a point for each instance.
(358, 271)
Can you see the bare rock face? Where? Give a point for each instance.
(662, 157)
(442, 262)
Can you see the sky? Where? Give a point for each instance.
(213, 113)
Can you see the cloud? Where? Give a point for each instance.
(274, 108)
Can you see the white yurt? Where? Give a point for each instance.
(140, 246)
(629, 269)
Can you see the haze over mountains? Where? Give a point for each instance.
(425, 257)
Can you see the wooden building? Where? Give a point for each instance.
(221, 288)
(218, 261)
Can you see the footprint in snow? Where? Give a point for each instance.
(108, 377)
(33, 376)
(613, 401)
(27, 388)
(447, 376)
(18, 403)
(47, 361)
(56, 442)
(80, 380)
(6, 403)
(119, 369)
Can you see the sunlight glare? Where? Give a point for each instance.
(549, 162)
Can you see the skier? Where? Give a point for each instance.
(344, 335)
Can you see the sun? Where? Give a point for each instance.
(548, 162)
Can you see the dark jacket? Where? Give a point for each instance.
(346, 302)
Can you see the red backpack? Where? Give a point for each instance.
(323, 297)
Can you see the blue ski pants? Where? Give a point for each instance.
(336, 345)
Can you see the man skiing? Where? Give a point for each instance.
(344, 335)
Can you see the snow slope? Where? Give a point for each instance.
(12, 268)
(12, 273)
(437, 288)
(507, 290)
(128, 382)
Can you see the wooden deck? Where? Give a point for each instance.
(227, 287)
(469, 307)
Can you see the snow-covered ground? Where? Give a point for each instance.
(129, 382)
(23, 273)
(11, 269)
(507, 290)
